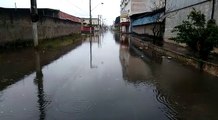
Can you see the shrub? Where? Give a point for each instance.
(199, 35)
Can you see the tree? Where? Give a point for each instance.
(199, 35)
(158, 28)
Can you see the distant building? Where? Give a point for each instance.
(96, 24)
(133, 7)
(117, 24)
(125, 7)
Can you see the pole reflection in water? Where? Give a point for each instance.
(99, 40)
(39, 82)
(91, 55)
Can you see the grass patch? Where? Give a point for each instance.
(60, 42)
(54, 43)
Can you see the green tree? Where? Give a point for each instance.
(199, 35)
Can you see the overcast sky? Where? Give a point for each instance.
(80, 8)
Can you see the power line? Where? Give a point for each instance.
(78, 7)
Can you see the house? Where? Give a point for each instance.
(128, 8)
(96, 24)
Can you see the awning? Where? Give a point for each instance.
(147, 20)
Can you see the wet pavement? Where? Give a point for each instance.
(106, 79)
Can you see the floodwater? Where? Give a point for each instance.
(106, 79)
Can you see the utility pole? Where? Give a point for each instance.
(213, 8)
(90, 17)
(35, 18)
(98, 23)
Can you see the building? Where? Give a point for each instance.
(177, 11)
(124, 15)
(96, 24)
(134, 7)
(116, 25)
(149, 24)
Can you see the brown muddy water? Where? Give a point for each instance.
(106, 79)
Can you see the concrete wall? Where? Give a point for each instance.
(140, 6)
(146, 29)
(216, 12)
(19, 28)
(177, 12)
(172, 5)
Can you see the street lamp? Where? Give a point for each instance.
(97, 5)
(90, 23)
(90, 13)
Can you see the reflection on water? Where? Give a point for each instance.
(16, 65)
(117, 37)
(134, 69)
(96, 38)
(42, 103)
(124, 84)
(186, 93)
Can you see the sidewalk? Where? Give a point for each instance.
(213, 58)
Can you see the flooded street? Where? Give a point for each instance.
(106, 79)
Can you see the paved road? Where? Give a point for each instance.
(106, 79)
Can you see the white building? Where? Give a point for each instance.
(132, 7)
(96, 23)
(124, 15)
